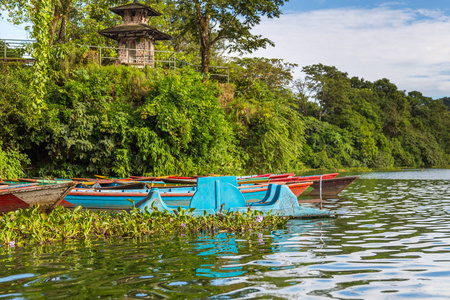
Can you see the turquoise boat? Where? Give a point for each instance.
(106, 199)
(221, 194)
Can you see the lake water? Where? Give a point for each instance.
(391, 241)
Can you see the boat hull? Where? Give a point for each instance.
(47, 197)
(299, 188)
(305, 178)
(333, 186)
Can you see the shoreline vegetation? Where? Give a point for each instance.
(121, 121)
(31, 227)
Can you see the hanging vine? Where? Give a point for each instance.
(40, 12)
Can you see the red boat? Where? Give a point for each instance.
(299, 187)
(305, 178)
(276, 176)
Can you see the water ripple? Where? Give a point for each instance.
(392, 241)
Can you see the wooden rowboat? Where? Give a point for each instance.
(180, 180)
(129, 186)
(43, 181)
(305, 178)
(194, 180)
(144, 178)
(298, 187)
(285, 175)
(333, 186)
(46, 196)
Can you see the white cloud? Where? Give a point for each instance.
(409, 47)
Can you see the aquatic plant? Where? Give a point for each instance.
(29, 226)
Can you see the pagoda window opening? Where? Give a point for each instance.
(131, 45)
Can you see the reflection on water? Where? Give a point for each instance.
(392, 240)
(425, 174)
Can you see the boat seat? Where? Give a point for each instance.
(213, 192)
(272, 196)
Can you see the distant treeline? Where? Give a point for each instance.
(446, 101)
(123, 121)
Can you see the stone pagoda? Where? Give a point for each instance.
(136, 39)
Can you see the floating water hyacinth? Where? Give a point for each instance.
(260, 239)
(30, 226)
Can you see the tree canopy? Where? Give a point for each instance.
(226, 22)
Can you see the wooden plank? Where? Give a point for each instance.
(310, 201)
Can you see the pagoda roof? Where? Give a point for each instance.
(134, 6)
(134, 30)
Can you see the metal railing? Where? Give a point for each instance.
(218, 73)
(20, 50)
(16, 50)
(133, 56)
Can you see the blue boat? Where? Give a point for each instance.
(220, 194)
(106, 199)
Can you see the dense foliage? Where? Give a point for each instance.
(269, 133)
(11, 162)
(122, 121)
(373, 124)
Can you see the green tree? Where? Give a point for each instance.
(274, 73)
(231, 21)
(39, 13)
(327, 146)
(330, 86)
(431, 116)
(302, 94)
(57, 14)
(11, 161)
(268, 130)
(392, 106)
(446, 101)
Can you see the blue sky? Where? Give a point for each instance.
(406, 41)
(308, 5)
(10, 31)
